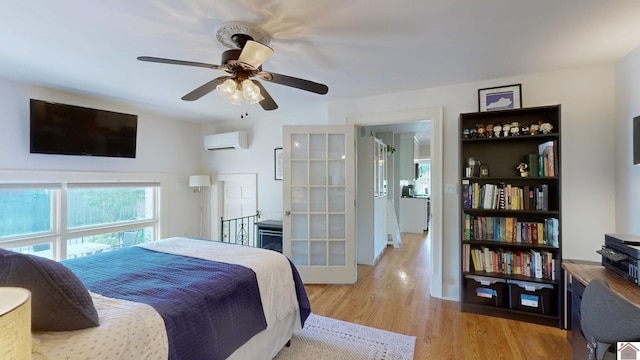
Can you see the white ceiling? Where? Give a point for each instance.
(356, 47)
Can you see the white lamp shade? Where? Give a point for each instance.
(15, 323)
(227, 87)
(254, 54)
(199, 181)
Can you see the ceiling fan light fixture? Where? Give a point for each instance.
(235, 98)
(251, 92)
(249, 49)
(227, 88)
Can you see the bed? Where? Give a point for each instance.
(175, 298)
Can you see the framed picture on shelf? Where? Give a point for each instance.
(500, 98)
(277, 164)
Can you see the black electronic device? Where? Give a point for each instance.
(73, 130)
(621, 254)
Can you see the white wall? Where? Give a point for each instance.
(164, 146)
(265, 134)
(173, 147)
(627, 174)
(587, 99)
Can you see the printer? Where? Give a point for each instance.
(621, 254)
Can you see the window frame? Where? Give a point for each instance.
(59, 235)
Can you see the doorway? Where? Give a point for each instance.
(413, 117)
(232, 196)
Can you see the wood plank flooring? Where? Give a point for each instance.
(394, 295)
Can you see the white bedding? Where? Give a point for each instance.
(130, 330)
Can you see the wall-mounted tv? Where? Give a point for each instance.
(73, 130)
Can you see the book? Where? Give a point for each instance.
(547, 151)
(532, 162)
(488, 196)
(466, 195)
(509, 224)
(540, 233)
(544, 189)
(474, 260)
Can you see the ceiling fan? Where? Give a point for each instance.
(249, 50)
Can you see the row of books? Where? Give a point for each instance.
(510, 230)
(504, 196)
(532, 263)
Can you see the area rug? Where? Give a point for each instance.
(324, 338)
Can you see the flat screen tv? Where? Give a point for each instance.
(74, 130)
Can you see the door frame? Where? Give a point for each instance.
(435, 115)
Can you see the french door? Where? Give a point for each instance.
(319, 202)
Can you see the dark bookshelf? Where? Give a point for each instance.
(504, 291)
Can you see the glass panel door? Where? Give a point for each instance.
(319, 188)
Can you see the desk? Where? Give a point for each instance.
(580, 273)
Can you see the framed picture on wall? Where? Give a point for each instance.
(277, 163)
(500, 98)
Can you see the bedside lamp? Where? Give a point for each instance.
(15, 323)
(197, 182)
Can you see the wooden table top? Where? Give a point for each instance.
(586, 271)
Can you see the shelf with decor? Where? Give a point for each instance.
(510, 218)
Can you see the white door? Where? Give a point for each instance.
(239, 198)
(319, 202)
(234, 196)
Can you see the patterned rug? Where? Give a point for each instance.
(324, 338)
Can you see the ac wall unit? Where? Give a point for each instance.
(230, 140)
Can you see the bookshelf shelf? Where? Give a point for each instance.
(514, 277)
(536, 137)
(511, 212)
(511, 243)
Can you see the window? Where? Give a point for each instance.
(25, 210)
(71, 219)
(423, 180)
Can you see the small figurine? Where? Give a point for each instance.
(534, 128)
(497, 128)
(489, 130)
(484, 170)
(524, 130)
(473, 133)
(472, 167)
(515, 129)
(480, 130)
(545, 128)
(466, 134)
(523, 169)
(506, 129)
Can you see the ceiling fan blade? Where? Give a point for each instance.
(294, 82)
(177, 62)
(205, 89)
(254, 54)
(267, 103)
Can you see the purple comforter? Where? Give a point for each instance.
(209, 308)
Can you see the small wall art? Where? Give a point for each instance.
(278, 165)
(500, 98)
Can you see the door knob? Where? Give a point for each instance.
(287, 212)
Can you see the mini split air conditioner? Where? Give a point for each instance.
(230, 140)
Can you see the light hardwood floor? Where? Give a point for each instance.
(394, 295)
